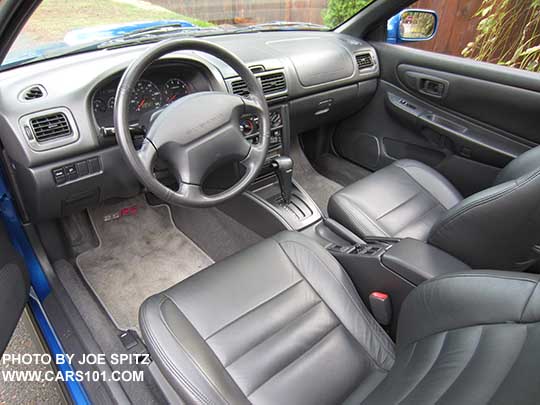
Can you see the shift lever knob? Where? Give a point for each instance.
(283, 166)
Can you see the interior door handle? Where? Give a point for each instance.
(428, 85)
(432, 87)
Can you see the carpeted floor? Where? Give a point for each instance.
(216, 233)
(339, 170)
(318, 187)
(140, 253)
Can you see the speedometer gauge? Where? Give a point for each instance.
(145, 96)
(175, 89)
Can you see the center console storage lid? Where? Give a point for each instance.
(416, 261)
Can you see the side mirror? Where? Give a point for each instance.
(412, 25)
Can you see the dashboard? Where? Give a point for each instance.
(159, 86)
(61, 147)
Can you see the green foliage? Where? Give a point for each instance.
(508, 34)
(339, 11)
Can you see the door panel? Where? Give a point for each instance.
(14, 285)
(485, 101)
(449, 132)
(464, 118)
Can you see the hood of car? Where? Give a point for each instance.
(104, 32)
(88, 35)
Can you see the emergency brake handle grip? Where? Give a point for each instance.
(343, 232)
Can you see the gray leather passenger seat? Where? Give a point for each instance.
(404, 199)
(498, 227)
(281, 323)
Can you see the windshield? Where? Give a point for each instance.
(60, 27)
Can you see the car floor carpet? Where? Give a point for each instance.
(317, 186)
(215, 232)
(140, 253)
(339, 170)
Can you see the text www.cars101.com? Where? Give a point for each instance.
(67, 376)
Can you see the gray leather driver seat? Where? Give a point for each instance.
(281, 323)
(496, 228)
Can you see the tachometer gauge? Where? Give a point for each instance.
(175, 89)
(99, 105)
(146, 96)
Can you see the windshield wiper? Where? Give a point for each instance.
(282, 25)
(151, 34)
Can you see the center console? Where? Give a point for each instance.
(387, 265)
(274, 201)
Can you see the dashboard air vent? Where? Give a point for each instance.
(271, 83)
(256, 69)
(50, 127)
(33, 93)
(364, 60)
(239, 88)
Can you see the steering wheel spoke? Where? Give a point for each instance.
(255, 155)
(147, 155)
(252, 105)
(190, 191)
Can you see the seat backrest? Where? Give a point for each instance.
(520, 166)
(497, 228)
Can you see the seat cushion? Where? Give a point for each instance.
(404, 199)
(281, 323)
(277, 323)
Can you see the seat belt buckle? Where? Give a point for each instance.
(381, 307)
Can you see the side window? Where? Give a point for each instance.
(504, 32)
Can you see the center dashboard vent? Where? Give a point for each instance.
(49, 127)
(364, 60)
(271, 83)
(32, 93)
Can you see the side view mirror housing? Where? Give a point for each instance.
(412, 25)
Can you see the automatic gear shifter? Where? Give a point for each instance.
(283, 166)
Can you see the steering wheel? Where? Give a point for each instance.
(195, 134)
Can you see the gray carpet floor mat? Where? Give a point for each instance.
(141, 252)
(317, 186)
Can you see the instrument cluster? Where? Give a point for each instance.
(159, 86)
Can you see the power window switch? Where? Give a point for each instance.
(59, 175)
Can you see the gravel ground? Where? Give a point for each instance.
(28, 393)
